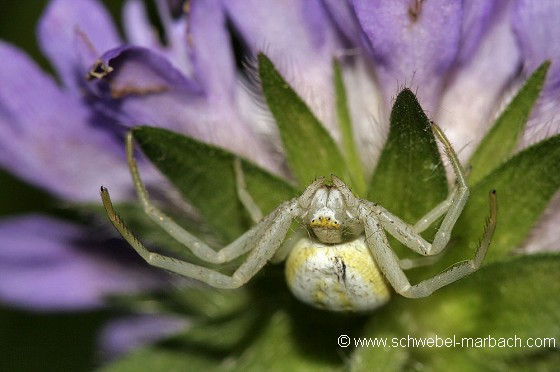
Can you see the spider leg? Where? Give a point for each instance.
(433, 215)
(412, 263)
(459, 199)
(452, 207)
(244, 196)
(197, 246)
(263, 243)
(389, 263)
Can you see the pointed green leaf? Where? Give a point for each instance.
(204, 175)
(310, 150)
(525, 185)
(500, 142)
(409, 179)
(345, 121)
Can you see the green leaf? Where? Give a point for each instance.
(352, 157)
(204, 175)
(409, 179)
(513, 298)
(500, 142)
(310, 150)
(277, 349)
(379, 358)
(163, 359)
(525, 185)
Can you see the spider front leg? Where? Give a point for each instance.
(197, 246)
(388, 262)
(263, 241)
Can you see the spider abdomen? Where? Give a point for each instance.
(339, 277)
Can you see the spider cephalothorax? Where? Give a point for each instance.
(330, 217)
(344, 263)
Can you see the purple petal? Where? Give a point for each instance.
(538, 32)
(121, 336)
(477, 17)
(137, 71)
(297, 35)
(47, 265)
(46, 137)
(476, 85)
(145, 88)
(137, 27)
(211, 51)
(412, 44)
(141, 32)
(343, 16)
(73, 33)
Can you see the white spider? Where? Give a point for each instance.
(343, 262)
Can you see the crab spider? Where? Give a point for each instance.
(343, 262)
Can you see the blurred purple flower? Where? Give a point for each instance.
(66, 136)
(47, 264)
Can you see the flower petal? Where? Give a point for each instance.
(412, 44)
(477, 17)
(48, 137)
(343, 15)
(137, 27)
(141, 32)
(298, 37)
(123, 335)
(50, 265)
(145, 88)
(211, 51)
(476, 86)
(536, 27)
(538, 32)
(73, 33)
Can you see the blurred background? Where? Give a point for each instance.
(36, 341)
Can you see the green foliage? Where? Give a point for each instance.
(492, 302)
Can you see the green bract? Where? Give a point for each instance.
(261, 326)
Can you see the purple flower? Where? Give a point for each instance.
(65, 135)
